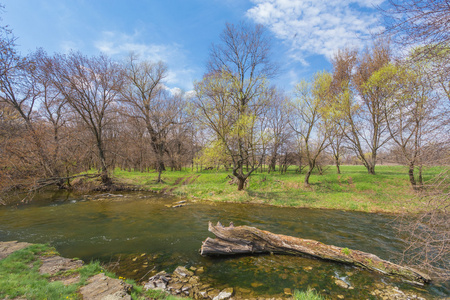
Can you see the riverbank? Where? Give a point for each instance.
(36, 271)
(389, 191)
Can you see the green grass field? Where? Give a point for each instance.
(387, 191)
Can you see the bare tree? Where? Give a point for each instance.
(419, 21)
(20, 90)
(233, 95)
(428, 232)
(425, 25)
(410, 113)
(51, 105)
(278, 125)
(91, 86)
(149, 101)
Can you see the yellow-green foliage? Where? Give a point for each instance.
(212, 155)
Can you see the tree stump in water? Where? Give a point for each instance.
(250, 240)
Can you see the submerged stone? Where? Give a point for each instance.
(194, 280)
(182, 272)
(203, 294)
(256, 284)
(288, 291)
(224, 294)
(175, 286)
(342, 284)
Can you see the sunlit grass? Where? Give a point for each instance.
(354, 189)
(20, 277)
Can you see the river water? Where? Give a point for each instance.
(138, 235)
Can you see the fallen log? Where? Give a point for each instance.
(250, 240)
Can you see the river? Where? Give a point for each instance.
(140, 233)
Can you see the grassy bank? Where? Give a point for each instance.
(20, 277)
(387, 191)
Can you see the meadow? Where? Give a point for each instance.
(354, 189)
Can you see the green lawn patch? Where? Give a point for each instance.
(354, 189)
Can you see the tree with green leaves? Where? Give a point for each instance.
(233, 131)
(234, 93)
(409, 112)
(426, 23)
(362, 104)
(310, 117)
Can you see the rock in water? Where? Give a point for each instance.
(158, 282)
(182, 272)
(224, 294)
(288, 291)
(341, 283)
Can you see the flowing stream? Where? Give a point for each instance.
(138, 235)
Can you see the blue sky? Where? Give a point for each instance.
(180, 32)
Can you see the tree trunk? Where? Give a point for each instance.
(412, 180)
(370, 169)
(241, 183)
(338, 165)
(158, 180)
(307, 175)
(250, 240)
(420, 177)
(272, 164)
(160, 168)
(104, 170)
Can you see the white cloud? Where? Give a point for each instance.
(190, 94)
(119, 44)
(174, 91)
(115, 43)
(318, 26)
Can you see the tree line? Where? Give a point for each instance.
(63, 114)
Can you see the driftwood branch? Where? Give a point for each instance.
(44, 182)
(250, 240)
